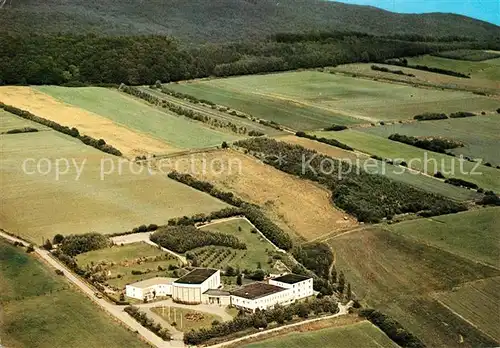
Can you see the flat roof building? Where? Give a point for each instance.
(150, 288)
(190, 288)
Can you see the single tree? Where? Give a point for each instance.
(341, 282)
(58, 238)
(239, 279)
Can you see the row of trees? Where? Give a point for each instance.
(387, 70)
(184, 238)
(442, 116)
(332, 142)
(432, 144)
(404, 62)
(354, 190)
(99, 144)
(273, 232)
(148, 323)
(182, 111)
(75, 244)
(142, 60)
(261, 319)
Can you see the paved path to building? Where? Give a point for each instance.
(144, 237)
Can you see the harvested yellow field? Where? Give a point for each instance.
(130, 142)
(299, 206)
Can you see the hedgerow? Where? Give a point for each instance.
(432, 144)
(331, 142)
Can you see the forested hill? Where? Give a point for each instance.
(224, 20)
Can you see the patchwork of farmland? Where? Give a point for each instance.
(362, 334)
(422, 78)
(130, 143)
(135, 114)
(400, 275)
(480, 135)
(300, 207)
(311, 100)
(258, 254)
(426, 161)
(401, 174)
(484, 70)
(40, 309)
(36, 203)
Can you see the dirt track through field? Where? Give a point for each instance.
(130, 142)
(299, 206)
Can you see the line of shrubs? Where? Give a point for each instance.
(99, 144)
(180, 95)
(184, 238)
(148, 323)
(441, 116)
(434, 144)
(392, 329)
(331, 142)
(271, 124)
(404, 62)
(384, 69)
(274, 233)
(182, 111)
(200, 218)
(22, 130)
(262, 318)
(335, 128)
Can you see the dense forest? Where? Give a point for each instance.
(199, 21)
(75, 59)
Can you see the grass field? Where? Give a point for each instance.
(118, 262)
(478, 302)
(258, 251)
(362, 334)
(37, 206)
(422, 78)
(137, 115)
(398, 275)
(300, 207)
(9, 121)
(486, 69)
(312, 100)
(418, 159)
(186, 319)
(409, 177)
(472, 234)
(40, 309)
(480, 135)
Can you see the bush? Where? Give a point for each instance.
(462, 183)
(392, 329)
(73, 245)
(148, 323)
(433, 144)
(335, 128)
(22, 130)
(184, 238)
(462, 114)
(489, 198)
(58, 238)
(254, 133)
(439, 175)
(430, 116)
(30, 248)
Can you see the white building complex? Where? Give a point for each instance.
(203, 285)
(150, 288)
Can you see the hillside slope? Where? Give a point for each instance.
(218, 20)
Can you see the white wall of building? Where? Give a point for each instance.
(284, 297)
(160, 290)
(192, 293)
(300, 290)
